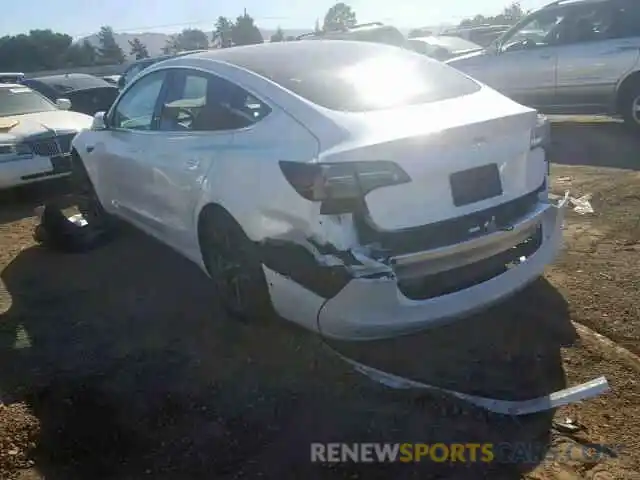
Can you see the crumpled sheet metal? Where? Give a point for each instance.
(584, 391)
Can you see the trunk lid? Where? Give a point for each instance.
(438, 145)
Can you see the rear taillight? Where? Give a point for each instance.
(337, 185)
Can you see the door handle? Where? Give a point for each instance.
(90, 148)
(545, 56)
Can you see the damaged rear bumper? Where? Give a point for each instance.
(426, 289)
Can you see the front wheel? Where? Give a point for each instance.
(630, 107)
(88, 202)
(233, 263)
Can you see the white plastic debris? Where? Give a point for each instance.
(582, 205)
(78, 219)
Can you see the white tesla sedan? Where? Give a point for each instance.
(357, 189)
(35, 136)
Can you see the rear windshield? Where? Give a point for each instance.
(360, 77)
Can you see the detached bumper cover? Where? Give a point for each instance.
(375, 308)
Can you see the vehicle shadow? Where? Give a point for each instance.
(132, 370)
(592, 143)
(20, 202)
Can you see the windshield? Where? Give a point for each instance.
(22, 100)
(360, 76)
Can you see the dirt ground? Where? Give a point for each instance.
(118, 364)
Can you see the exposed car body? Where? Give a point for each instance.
(35, 136)
(88, 94)
(570, 57)
(372, 191)
(442, 47)
(136, 67)
(375, 32)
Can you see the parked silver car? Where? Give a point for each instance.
(570, 57)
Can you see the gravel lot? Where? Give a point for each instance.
(119, 364)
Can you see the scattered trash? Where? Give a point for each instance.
(72, 234)
(582, 204)
(564, 179)
(568, 426)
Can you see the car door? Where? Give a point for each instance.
(524, 67)
(600, 45)
(125, 150)
(197, 124)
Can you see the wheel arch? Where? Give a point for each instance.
(631, 79)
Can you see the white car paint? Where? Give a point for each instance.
(160, 181)
(23, 130)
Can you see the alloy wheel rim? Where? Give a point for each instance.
(635, 109)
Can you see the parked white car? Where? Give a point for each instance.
(35, 136)
(358, 189)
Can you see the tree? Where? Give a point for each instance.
(510, 15)
(192, 39)
(245, 32)
(171, 46)
(82, 54)
(339, 17)
(37, 50)
(138, 49)
(278, 36)
(316, 27)
(222, 33)
(109, 52)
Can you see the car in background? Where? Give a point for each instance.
(136, 67)
(358, 189)
(35, 136)
(442, 47)
(483, 35)
(112, 79)
(570, 57)
(375, 32)
(88, 94)
(11, 77)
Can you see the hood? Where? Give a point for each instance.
(17, 127)
(468, 56)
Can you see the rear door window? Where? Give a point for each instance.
(198, 101)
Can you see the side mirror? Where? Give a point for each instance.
(63, 103)
(121, 82)
(99, 121)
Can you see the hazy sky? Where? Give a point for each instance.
(82, 17)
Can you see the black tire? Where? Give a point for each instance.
(234, 265)
(86, 197)
(630, 106)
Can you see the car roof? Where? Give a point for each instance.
(72, 82)
(270, 56)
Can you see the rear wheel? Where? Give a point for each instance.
(233, 263)
(630, 106)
